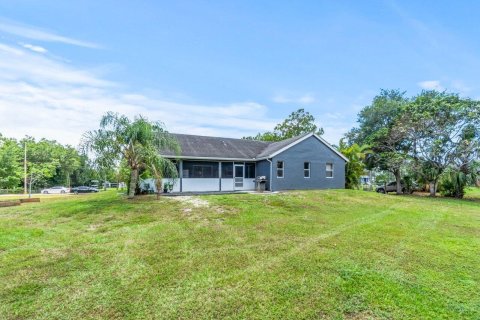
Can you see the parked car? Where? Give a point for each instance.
(391, 187)
(83, 189)
(57, 189)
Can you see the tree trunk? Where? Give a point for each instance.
(398, 179)
(433, 188)
(459, 193)
(459, 189)
(158, 186)
(133, 183)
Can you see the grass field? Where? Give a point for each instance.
(473, 194)
(316, 255)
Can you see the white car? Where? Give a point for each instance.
(55, 190)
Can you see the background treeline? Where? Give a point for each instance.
(49, 163)
(430, 139)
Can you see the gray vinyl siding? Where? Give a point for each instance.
(318, 154)
(263, 169)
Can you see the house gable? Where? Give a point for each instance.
(318, 154)
(305, 137)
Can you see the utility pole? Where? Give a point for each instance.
(25, 169)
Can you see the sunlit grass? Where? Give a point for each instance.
(310, 254)
(473, 193)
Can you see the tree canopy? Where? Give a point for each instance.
(11, 169)
(136, 142)
(443, 131)
(378, 128)
(297, 123)
(428, 134)
(48, 163)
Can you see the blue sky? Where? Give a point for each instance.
(228, 68)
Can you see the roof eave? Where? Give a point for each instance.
(303, 139)
(264, 157)
(332, 148)
(208, 158)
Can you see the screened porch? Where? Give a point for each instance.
(198, 176)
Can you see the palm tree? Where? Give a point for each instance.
(355, 166)
(137, 142)
(160, 167)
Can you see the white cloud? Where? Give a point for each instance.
(34, 48)
(460, 87)
(457, 86)
(10, 50)
(307, 98)
(34, 33)
(333, 134)
(431, 85)
(20, 64)
(47, 98)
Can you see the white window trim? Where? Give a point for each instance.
(333, 170)
(309, 169)
(283, 169)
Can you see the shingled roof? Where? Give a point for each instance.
(193, 146)
(274, 147)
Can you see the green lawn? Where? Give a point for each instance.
(316, 255)
(473, 194)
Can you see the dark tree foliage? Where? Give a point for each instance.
(297, 123)
(49, 163)
(432, 135)
(444, 132)
(378, 128)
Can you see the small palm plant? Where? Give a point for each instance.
(355, 166)
(161, 167)
(138, 143)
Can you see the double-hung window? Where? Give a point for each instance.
(280, 169)
(329, 170)
(306, 169)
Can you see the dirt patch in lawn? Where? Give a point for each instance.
(192, 201)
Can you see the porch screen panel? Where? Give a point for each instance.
(200, 169)
(177, 165)
(249, 170)
(227, 170)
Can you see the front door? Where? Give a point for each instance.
(239, 176)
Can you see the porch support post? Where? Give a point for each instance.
(271, 175)
(180, 174)
(219, 176)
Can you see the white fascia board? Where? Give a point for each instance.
(209, 158)
(290, 145)
(331, 148)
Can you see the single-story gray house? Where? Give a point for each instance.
(225, 164)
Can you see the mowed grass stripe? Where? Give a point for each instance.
(315, 254)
